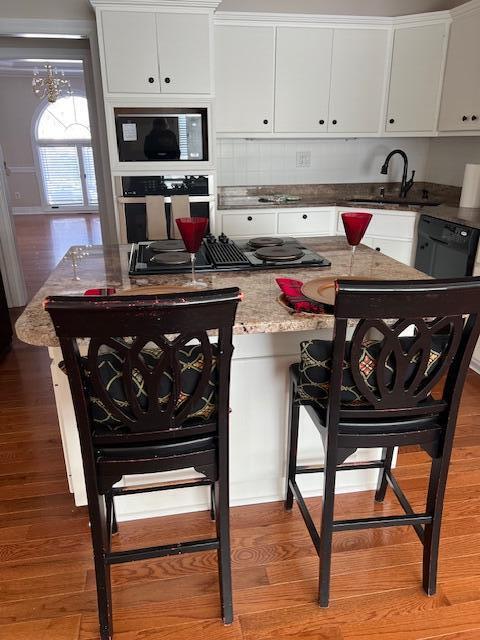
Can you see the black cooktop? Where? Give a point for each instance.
(222, 254)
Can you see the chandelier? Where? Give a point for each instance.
(52, 86)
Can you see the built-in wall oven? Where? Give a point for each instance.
(161, 134)
(147, 205)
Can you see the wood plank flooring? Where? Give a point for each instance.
(46, 573)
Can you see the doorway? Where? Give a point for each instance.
(49, 147)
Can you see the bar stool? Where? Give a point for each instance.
(363, 393)
(151, 395)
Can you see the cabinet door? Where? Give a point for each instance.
(415, 78)
(302, 79)
(184, 52)
(319, 222)
(400, 250)
(249, 224)
(461, 87)
(130, 45)
(358, 79)
(244, 61)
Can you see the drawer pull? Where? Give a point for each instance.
(304, 216)
(249, 218)
(377, 248)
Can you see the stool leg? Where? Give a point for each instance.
(222, 512)
(326, 529)
(387, 455)
(434, 507)
(111, 512)
(100, 538)
(292, 446)
(212, 502)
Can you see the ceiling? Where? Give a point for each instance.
(341, 7)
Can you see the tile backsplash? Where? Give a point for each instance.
(302, 161)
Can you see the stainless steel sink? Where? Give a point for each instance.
(397, 201)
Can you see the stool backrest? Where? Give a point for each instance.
(126, 326)
(441, 315)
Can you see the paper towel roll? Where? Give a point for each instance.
(471, 186)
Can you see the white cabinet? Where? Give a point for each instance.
(244, 78)
(249, 223)
(153, 52)
(302, 79)
(184, 52)
(389, 232)
(130, 51)
(460, 106)
(359, 62)
(415, 78)
(284, 222)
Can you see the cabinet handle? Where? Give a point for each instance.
(151, 80)
(265, 121)
(474, 118)
(167, 80)
(249, 218)
(304, 216)
(392, 120)
(334, 122)
(464, 118)
(377, 248)
(321, 121)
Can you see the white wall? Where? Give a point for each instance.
(264, 162)
(447, 159)
(341, 7)
(17, 108)
(47, 9)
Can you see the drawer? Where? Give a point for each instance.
(306, 222)
(386, 224)
(249, 224)
(400, 250)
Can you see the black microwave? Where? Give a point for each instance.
(161, 134)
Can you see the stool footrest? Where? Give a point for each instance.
(117, 557)
(341, 467)
(384, 521)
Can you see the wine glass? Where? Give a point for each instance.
(192, 231)
(355, 224)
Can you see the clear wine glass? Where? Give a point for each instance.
(192, 231)
(355, 224)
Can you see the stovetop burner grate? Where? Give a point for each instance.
(225, 254)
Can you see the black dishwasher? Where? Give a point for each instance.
(445, 249)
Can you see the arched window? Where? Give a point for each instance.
(62, 137)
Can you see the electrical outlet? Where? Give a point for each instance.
(304, 159)
(17, 195)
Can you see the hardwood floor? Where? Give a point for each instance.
(47, 583)
(46, 572)
(43, 240)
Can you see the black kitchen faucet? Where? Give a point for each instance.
(406, 184)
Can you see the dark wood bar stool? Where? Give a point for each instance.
(364, 392)
(151, 395)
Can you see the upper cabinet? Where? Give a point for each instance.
(156, 52)
(302, 79)
(460, 107)
(415, 78)
(244, 78)
(359, 61)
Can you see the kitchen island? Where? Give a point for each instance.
(266, 340)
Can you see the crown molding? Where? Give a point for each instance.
(170, 4)
(299, 18)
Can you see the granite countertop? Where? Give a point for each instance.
(343, 195)
(259, 312)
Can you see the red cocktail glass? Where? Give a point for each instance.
(355, 224)
(192, 231)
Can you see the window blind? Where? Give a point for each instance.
(90, 180)
(61, 175)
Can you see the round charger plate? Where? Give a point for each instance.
(323, 289)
